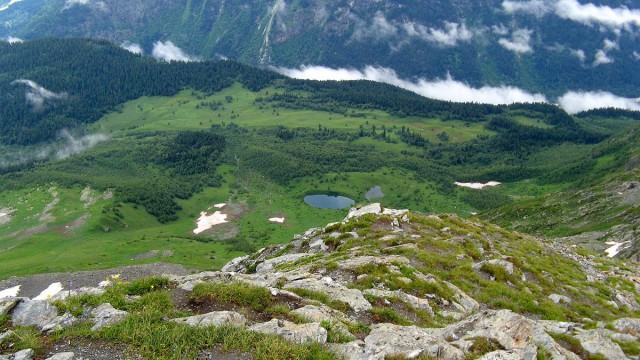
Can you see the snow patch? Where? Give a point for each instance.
(10, 292)
(219, 206)
(49, 292)
(3, 8)
(279, 220)
(615, 248)
(206, 222)
(478, 185)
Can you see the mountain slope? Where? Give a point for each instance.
(541, 46)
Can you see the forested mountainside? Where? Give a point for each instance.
(542, 46)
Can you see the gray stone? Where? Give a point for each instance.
(503, 263)
(354, 350)
(409, 299)
(515, 354)
(216, 318)
(106, 314)
(335, 291)
(628, 326)
(268, 265)
(6, 304)
(408, 341)
(236, 264)
(557, 298)
(626, 300)
(464, 302)
(296, 333)
(596, 342)
(374, 208)
(5, 335)
(319, 314)
(60, 322)
(62, 356)
(38, 313)
(26, 354)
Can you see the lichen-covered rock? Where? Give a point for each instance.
(26, 354)
(319, 314)
(353, 297)
(106, 314)
(64, 321)
(62, 356)
(408, 341)
(515, 354)
(6, 304)
(374, 208)
(269, 264)
(216, 318)
(557, 298)
(413, 301)
(296, 333)
(465, 303)
(628, 326)
(235, 265)
(36, 313)
(627, 300)
(596, 342)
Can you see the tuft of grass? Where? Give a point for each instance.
(483, 346)
(497, 271)
(143, 286)
(321, 297)
(631, 348)
(335, 334)
(382, 314)
(279, 309)
(4, 321)
(23, 338)
(239, 293)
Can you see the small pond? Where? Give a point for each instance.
(329, 201)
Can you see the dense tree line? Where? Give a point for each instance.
(609, 113)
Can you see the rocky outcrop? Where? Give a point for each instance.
(36, 313)
(217, 318)
(628, 326)
(408, 341)
(296, 333)
(413, 301)
(106, 314)
(597, 342)
(269, 264)
(26, 354)
(352, 297)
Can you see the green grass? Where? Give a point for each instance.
(239, 293)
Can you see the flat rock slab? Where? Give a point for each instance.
(408, 341)
(62, 356)
(106, 314)
(268, 265)
(26, 354)
(34, 313)
(353, 297)
(596, 341)
(216, 318)
(295, 333)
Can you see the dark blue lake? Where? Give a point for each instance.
(328, 201)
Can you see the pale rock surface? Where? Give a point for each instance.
(106, 314)
(216, 318)
(353, 297)
(374, 208)
(64, 321)
(319, 314)
(626, 300)
(465, 303)
(10, 292)
(26, 354)
(625, 325)
(557, 298)
(499, 262)
(7, 304)
(515, 354)
(409, 299)
(268, 265)
(354, 263)
(34, 313)
(5, 335)
(62, 356)
(510, 330)
(235, 264)
(596, 341)
(296, 333)
(409, 341)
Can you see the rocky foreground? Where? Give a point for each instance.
(388, 283)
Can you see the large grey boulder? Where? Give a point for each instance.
(335, 291)
(516, 354)
(38, 313)
(629, 326)
(236, 265)
(510, 330)
(6, 304)
(62, 356)
(374, 208)
(268, 265)
(26, 354)
(106, 314)
(498, 262)
(413, 301)
(408, 341)
(627, 300)
(319, 314)
(216, 318)
(596, 342)
(557, 298)
(463, 302)
(295, 333)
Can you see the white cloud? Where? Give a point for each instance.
(74, 145)
(500, 29)
(535, 7)
(602, 58)
(70, 3)
(36, 95)
(3, 8)
(132, 47)
(13, 40)
(579, 54)
(167, 51)
(449, 36)
(520, 41)
(382, 29)
(636, 55)
(447, 89)
(577, 101)
(610, 44)
(588, 14)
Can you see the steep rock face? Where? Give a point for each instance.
(474, 41)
